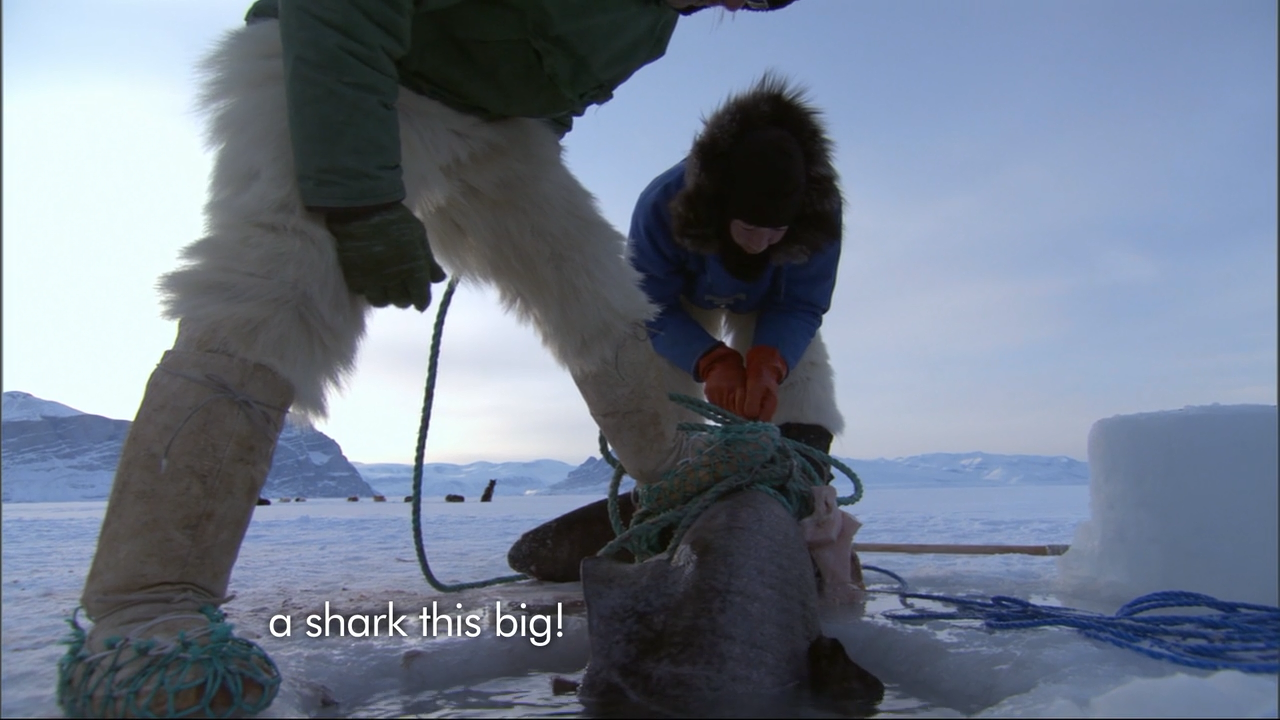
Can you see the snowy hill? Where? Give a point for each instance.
(590, 478)
(439, 479)
(53, 453)
(974, 469)
(970, 469)
(25, 406)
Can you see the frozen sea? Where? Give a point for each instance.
(358, 557)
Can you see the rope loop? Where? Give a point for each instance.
(419, 454)
(737, 454)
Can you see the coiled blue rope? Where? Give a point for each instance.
(1236, 636)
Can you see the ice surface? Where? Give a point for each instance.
(1180, 501)
(1184, 500)
(359, 557)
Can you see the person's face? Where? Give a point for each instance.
(754, 240)
(730, 5)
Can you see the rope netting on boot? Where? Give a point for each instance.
(737, 454)
(205, 673)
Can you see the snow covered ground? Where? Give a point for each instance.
(359, 557)
(1182, 500)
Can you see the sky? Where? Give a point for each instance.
(1056, 212)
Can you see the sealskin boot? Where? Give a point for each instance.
(189, 476)
(554, 550)
(816, 437)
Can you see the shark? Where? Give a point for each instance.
(726, 624)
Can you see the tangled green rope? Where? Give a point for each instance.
(184, 677)
(738, 454)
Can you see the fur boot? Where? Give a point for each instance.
(196, 458)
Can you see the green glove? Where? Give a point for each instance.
(385, 255)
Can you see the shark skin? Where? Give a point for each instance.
(726, 625)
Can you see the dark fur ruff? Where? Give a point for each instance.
(699, 221)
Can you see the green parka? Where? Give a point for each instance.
(345, 60)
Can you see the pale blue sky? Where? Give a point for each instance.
(1057, 212)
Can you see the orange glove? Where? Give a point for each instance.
(765, 369)
(725, 379)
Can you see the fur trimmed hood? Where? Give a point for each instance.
(698, 218)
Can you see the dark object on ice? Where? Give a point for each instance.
(379, 498)
(263, 501)
(326, 697)
(724, 624)
(488, 492)
(299, 499)
(563, 686)
(554, 550)
(454, 498)
(353, 498)
(838, 683)
(408, 498)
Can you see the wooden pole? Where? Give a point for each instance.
(920, 549)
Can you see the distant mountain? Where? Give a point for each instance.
(309, 463)
(970, 469)
(25, 406)
(932, 470)
(53, 453)
(440, 479)
(590, 478)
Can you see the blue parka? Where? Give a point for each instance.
(790, 298)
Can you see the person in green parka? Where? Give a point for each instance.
(362, 147)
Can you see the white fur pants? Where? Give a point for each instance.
(807, 395)
(498, 203)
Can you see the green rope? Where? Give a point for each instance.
(739, 454)
(427, 401)
(154, 678)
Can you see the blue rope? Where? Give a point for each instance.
(427, 401)
(1238, 636)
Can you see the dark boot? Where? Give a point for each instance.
(816, 437)
(554, 550)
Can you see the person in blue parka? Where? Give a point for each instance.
(738, 246)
